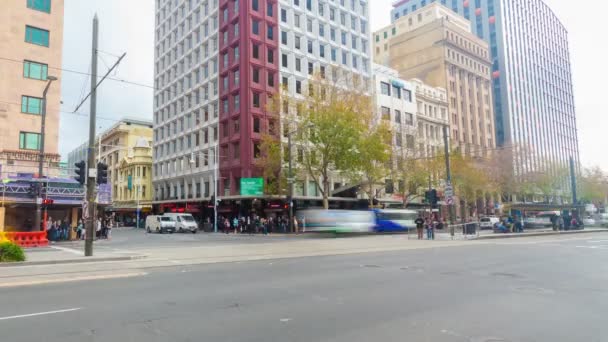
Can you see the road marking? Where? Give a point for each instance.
(285, 320)
(67, 280)
(39, 314)
(597, 241)
(69, 250)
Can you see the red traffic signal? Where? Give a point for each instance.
(47, 201)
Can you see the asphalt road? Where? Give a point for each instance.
(536, 289)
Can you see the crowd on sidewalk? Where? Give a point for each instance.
(254, 224)
(60, 230)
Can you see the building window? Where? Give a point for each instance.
(407, 95)
(36, 71)
(236, 148)
(254, 5)
(270, 55)
(256, 125)
(256, 100)
(284, 60)
(255, 27)
(385, 88)
(256, 51)
(36, 36)
(256, 75)
(29, 141)
(31, 105)
(269, 11)
(386, 113)
(270, 79)
(40, 5)
(397, 116)
(409, 119)
(269, 32)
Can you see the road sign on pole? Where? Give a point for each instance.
(449, 200)
(449, 190)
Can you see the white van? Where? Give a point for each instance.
(488, 222)
(183, 222)
(160, 224)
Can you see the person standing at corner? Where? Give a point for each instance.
(419, 226)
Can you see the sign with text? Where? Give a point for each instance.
(252, 186)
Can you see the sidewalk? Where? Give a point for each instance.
(64, 255)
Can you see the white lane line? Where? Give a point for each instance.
(69, 250)
(39, 314)
(597, 241)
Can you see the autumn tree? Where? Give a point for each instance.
(327, 119)
(271, 164)
(592, 185)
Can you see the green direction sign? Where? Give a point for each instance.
(252, 186)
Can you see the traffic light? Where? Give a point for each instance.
(47, 201)
(434, 198)
(81, 172)
(32, 191)
(102, 173)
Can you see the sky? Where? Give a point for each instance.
(128, 26)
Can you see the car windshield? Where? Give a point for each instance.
(166, 218)
(485, 219)
(187, 218)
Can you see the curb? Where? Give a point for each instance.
(500, 236)
(71, 261)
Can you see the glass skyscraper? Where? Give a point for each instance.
(531, 76)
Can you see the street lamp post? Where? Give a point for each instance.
(50, 80)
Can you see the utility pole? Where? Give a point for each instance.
(215, 196)
(448, 172)
(290, 182)
(90, 196)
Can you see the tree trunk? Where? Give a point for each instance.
(325, 193)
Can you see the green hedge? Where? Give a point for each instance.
(11, 252)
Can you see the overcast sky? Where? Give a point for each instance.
(128, 26)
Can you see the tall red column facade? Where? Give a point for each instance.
(249, 74)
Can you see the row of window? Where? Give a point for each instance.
(386, 115)
(395, 91)
(355, 23)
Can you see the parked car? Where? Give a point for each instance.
(589, 222)
(603, 220)
(183, 222)
(488, 222)
(160, 224)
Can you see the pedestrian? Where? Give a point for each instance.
(79, 229)
(109, 231)
(52, 231)
(429, 228)
(235, 224)
(98, 228)
(295, 224)
(419, 226)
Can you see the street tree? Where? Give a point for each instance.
(331, 119)
(592, 185)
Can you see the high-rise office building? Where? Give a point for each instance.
(31, 43)
(531, 77)
(435, 45)
(220, 62)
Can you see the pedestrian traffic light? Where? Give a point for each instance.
(32, 191)
(81, 172)
(102, 173)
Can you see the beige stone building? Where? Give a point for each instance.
(31, 43)
(436, 46)
(122, 148)
(431, 116)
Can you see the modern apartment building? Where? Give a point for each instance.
(219, 63)
(436, 45)
(31, 43)
(531, 77)
(431, 117)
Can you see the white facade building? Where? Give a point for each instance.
(431, 116)
(186, 106)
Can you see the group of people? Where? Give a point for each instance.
(430, 224)
(509, 224)
(567, 222)
(254, 224)
(58, 230)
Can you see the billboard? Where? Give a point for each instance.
(252, 186)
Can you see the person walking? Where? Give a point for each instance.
(109, 230)
(419, 226)
(429, 229)
(98, 228)
(295, 224)
(79, 229)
